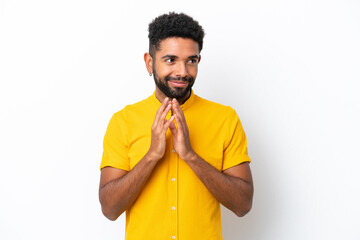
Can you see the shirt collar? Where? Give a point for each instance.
(184, 106)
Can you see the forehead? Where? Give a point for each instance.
(178, 46)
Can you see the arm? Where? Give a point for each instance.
(119, 188)
(233, 188)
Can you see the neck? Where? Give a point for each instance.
(161, 96)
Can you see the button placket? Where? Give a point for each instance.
(173, 191)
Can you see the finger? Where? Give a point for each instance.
(164, 104)
(168, 123)
(161, 109)
(180, 114)
(179, 124)
(177, 106)
(173, 128)
(163, 115)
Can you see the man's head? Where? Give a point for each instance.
(174, 25)
(175, 42)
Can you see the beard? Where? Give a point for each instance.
(177, 92)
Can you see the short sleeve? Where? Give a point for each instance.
(115, 152)
(235, 151)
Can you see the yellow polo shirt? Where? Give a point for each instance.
(174, 203)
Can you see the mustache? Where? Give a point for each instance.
(185, 79)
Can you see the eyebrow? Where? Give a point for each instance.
(194, 56)
(174, 56)
(169, 56)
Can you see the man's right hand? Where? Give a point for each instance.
(158, 132)
(119, 188)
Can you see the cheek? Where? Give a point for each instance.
(163, 71)
(193, 71)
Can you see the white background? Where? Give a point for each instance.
(289, 68)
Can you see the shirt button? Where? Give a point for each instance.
(173, 208)
(173, 150)
(173, 237)
(173, 179)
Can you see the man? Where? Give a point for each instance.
(170, 159)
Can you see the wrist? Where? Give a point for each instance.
(150, 157)
(190, 157)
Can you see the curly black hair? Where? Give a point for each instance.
(174, 25)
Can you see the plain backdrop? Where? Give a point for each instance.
(289, 68)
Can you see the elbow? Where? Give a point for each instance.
(108, 210)
(109, 214)
(245, 205)
(241, 213)
(243, 210)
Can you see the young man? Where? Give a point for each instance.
(170, 159)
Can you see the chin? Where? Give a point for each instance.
(178, 95)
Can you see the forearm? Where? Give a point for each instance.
(117, 195)
(233, 192)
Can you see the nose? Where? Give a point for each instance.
(181, 70)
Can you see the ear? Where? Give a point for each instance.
(199, 58)
(148, 62)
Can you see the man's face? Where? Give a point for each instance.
(175, 66)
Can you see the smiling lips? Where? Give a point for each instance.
(178, 83)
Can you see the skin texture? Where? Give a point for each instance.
(177, 58)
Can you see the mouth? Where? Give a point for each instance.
(177, 83)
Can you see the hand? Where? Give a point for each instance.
(181, 139)
(158, 131)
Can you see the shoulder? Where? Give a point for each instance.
(134, 109)
(213, 107)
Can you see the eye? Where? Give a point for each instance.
(193, 60)
(169, 60)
